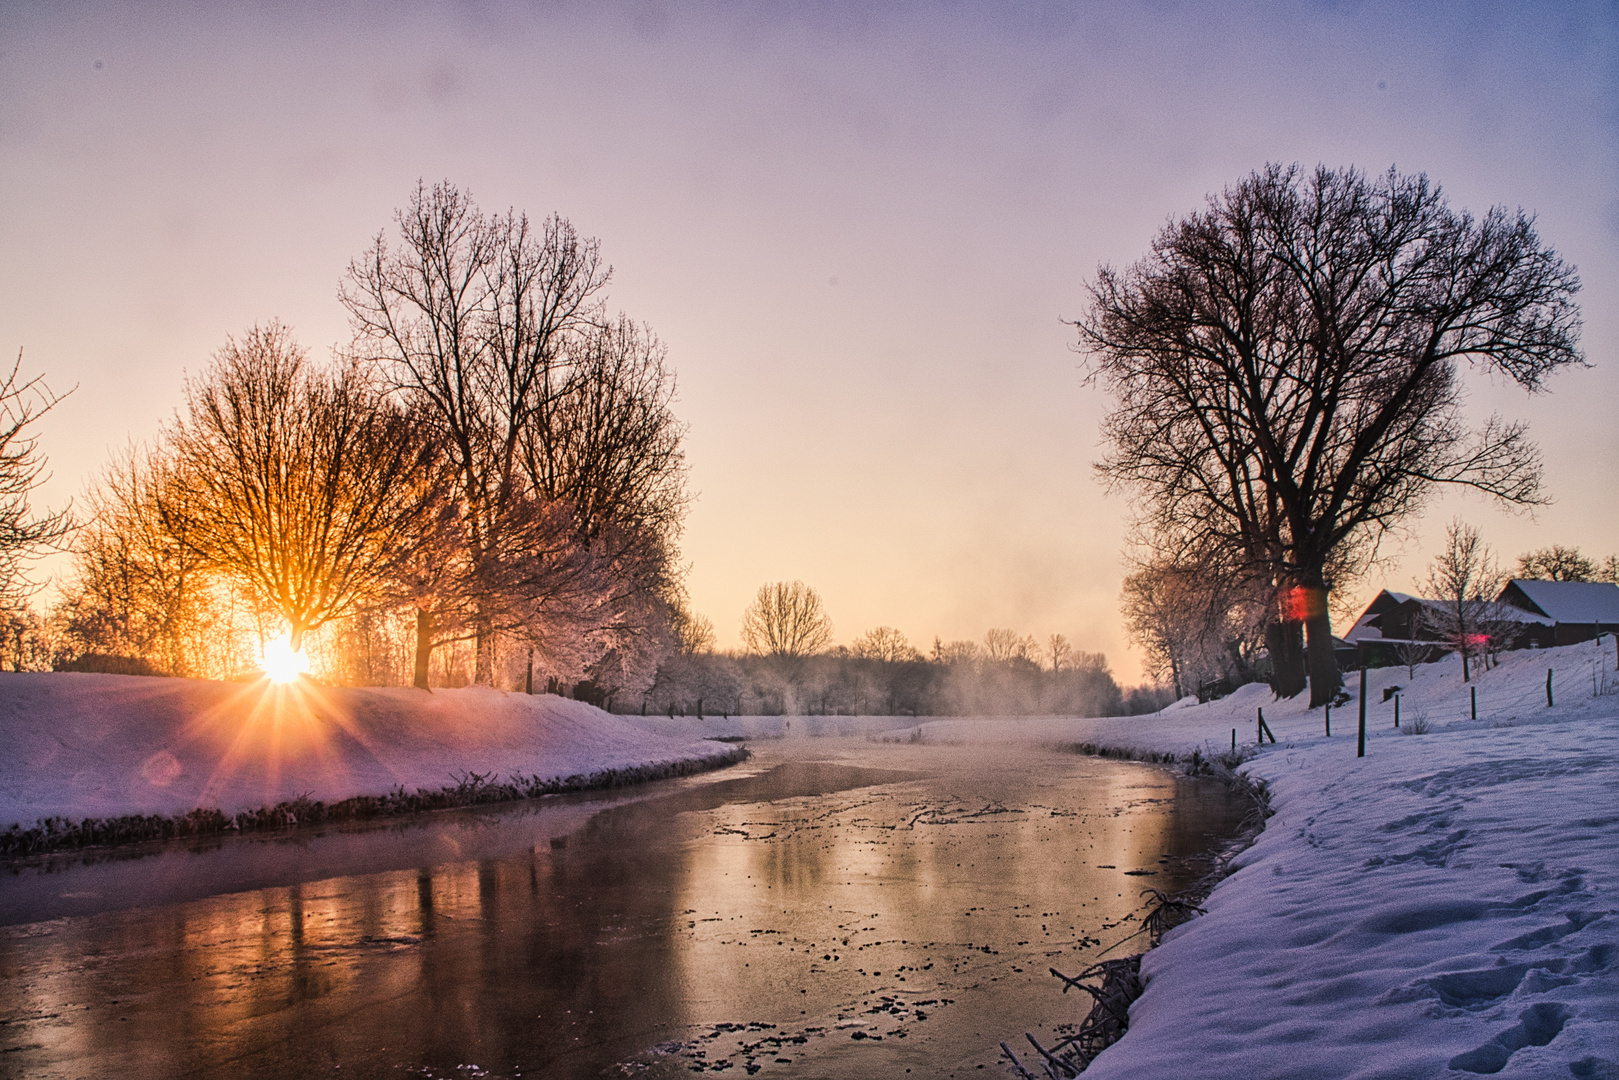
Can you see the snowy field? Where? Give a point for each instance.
(99, 746)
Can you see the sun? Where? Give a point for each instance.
(281, 664)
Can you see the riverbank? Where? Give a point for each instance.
(1446, 905)
(95, 759)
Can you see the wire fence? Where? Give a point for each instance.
(1569, 679)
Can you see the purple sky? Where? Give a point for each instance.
(858, 230)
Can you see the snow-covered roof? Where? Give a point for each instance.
(1568, 601)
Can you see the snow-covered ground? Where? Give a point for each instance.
(99, 746)
(1447, 905)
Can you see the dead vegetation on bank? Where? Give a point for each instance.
(1117, 982)
(471, 789)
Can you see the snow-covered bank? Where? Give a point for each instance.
(1447, 905)
(78, 746)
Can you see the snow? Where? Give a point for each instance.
(1447, 905)
(95, 746)
(1572, 601)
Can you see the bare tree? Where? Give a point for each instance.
(693, 633)
(886, 644)
(953, 653)
(787, 621)
(468, 318)
(138, 590)
(1060, 651)
(1003, 646)
(1463, 582)
(1199, 618)
(302, 484)
(23, 533)
(1286, 370)
(607, 444)
(1556, 563)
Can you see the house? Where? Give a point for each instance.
(1391, 629)
(1570, 611)
(1398, 628)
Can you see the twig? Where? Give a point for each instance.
(1016, 1064)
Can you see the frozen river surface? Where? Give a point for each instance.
(832, 908)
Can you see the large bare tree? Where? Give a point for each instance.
(467, 317)
(1287, 364)
(306, 485)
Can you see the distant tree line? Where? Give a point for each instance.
(789, 667)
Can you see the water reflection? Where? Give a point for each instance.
(822, 917)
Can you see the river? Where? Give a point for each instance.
(831, 908)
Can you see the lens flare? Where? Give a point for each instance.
(281, 663)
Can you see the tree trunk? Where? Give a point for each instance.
(424, 645)
(1284, 642)
(483, 668)
(1324, 678)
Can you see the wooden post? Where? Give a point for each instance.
(1396, 710)
(1260, 736)
(1329, 721)
(1233, 740)
(1473, 691)
(1360, 746)
(699, 708)
(1548, 688)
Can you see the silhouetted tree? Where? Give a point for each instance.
(303, 484)
(1286, 370)
(1556, 563)
(24, 534)
(886, 644)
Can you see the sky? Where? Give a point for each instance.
(858, 228)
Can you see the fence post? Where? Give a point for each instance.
(1548, 688)
(1233, 740)
(1329, 721)
(1360, 746)
(1473, 690)
(1396, 710)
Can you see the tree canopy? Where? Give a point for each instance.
(1286, 365)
